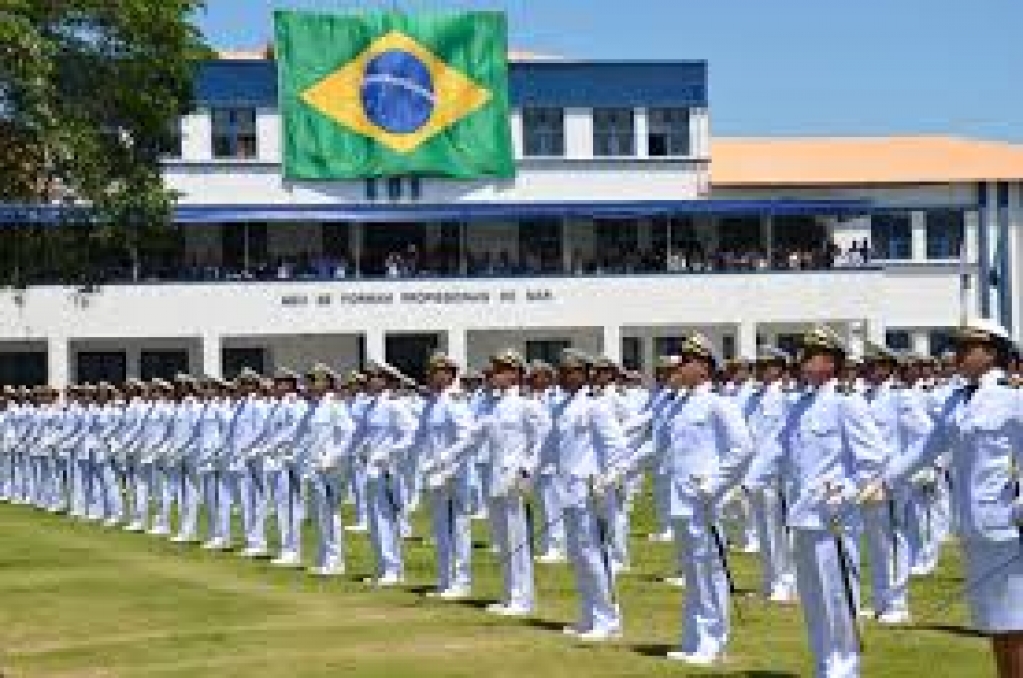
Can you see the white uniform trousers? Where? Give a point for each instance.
(778, 575)
(286, 487)
(225, 489)
(190, 496)
(829, 621)
(356, 487)
(512, 536)
(705, 612)
(384, 523)
(252, 497)
(144, 487)
(165, 486)
(323, 495)
(109, 501)
(922, 528)
(452, 533)
(81, 481)
(888, 550)
(617, 518)
(552, 529)
(587, 552)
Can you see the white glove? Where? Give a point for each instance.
(874, 492)
(438, 479)
(925, 478)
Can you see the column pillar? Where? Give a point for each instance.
(969, 281)
(376, 345)
(767, 236)
(58, 367)
(566, 245)
(746, 340)
(612, 343)
(457, 350)
(649, 353)
(918, 235)
(212, 356)
(133, 361)
(1015, 224)
(920, 342)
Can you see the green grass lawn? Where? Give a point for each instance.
(82, 600)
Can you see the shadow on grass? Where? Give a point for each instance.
(661, 650)
(951, 629)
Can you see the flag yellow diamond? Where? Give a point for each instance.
(397, 93)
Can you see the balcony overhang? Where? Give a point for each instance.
(11, 215)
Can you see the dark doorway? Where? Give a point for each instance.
(410, 353)
(163, 364)
(23, 369)
(95, 366)
(234, 360)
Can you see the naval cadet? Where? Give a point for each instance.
(829, 448)
(982, 428)
(445, 435)
(766, 413)
(902, 419)
(589, 441)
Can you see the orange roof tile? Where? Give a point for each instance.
(857, 161)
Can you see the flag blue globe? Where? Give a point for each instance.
(397, 92)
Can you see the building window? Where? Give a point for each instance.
(540, 245)
(668, 346)
(371, 189)
(170, 143)
(543, 132)
(234, 132)
(394, 188)
(614, 132)
(616, 246)
(728, 351)
(945, 230)
(547, 350)
(891, 235)
(234, 360)
(789, 343)
(95, 366)
(23, 369)
(897, 340)
(668, 131)
(940, 341)
(632, 353)
(162, 364)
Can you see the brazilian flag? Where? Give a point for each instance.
(391, 94)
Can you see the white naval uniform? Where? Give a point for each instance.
(829, 447)
(589, 441)
(384, 431)
(246, 435)
(703, 446)
(283, 480)
(904, 423)
(767, 410)
(324, 445)
(445, 431)
(982, 428)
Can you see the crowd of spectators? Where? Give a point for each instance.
(411, 262)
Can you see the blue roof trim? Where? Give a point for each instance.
(583, 84)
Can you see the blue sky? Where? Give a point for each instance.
(776, 66)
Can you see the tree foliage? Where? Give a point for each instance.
(90, 95)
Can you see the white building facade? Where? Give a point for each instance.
(615, 237)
